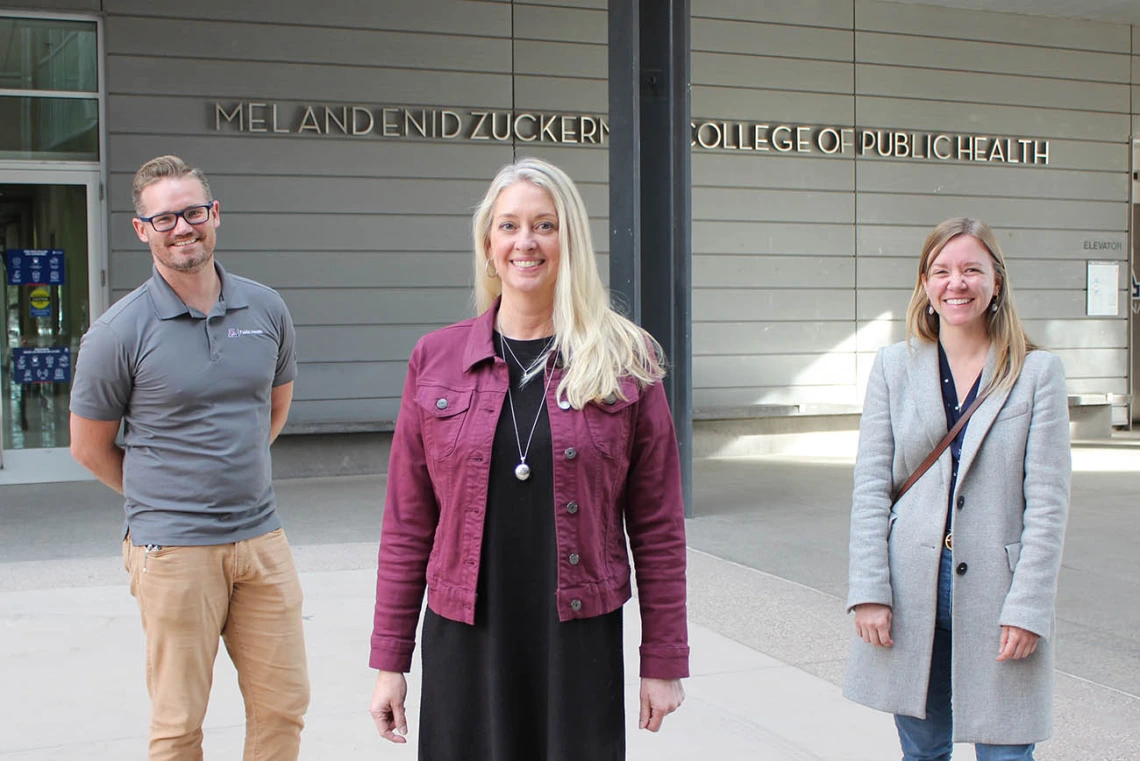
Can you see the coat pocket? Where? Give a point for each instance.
(444, 410)
(610, 420)
(1013, 554)
(1012, 411)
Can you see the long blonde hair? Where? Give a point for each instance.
(1003, 326)
(599, 346)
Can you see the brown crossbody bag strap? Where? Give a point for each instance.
(941, 446)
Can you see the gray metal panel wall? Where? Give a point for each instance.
(367, 239)
(773, 234)
(804, 264)
(1069, 81)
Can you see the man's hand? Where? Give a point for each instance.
(387, 707)
(659, 698)
(873, 624)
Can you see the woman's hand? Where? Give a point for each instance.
(873, 623)
(1016, 643)
(387, 707)
(659, 698)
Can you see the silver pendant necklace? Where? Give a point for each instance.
(522, 470)
(536, 367)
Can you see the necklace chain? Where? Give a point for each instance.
(522, 470)
(537, 366)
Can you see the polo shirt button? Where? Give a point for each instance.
(571, 507)
(564, 404)
(575, 605)
(962, 569)
(571, 453)
(441, 404)
(574, 558)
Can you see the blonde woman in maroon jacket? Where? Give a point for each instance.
(530, 441)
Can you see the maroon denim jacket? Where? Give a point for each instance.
(612, 462)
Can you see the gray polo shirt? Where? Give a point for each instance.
(194, 392)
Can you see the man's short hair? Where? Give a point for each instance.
(162, 168)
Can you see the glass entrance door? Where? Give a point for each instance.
(50, 238)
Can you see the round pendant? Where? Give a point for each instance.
(522, 471)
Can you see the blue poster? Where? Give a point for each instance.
(28, 266)
(42, 364)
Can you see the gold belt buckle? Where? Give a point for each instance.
(949, 542)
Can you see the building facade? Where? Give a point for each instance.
(349, 142)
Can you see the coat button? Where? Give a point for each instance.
(962, 569)
(961, 502)
(611, 398)
(564, 404)
(571, 453)
(575, 605)
(441, 404)
(574, 558)
(571, 507)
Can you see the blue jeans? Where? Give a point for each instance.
(932, 738)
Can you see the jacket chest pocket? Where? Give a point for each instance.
(609, 421)
(443, 411)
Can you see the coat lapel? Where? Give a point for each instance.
(980, 422)
(923, 379)
(922, 372)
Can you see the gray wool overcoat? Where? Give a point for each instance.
(1010, 509)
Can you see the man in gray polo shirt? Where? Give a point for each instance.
(198, 365)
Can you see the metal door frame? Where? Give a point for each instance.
(21, 466)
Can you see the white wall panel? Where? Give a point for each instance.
(324, 84)
(990, 180)
(1020, 90)
(971, 54)
(309, 44)
(824, 13)
(559, 24)
(435, 16)
(770, 39)
(800, 75)
(1042, 31)
(773, 271)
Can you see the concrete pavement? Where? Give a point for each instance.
(767, 578)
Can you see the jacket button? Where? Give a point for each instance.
(961, 502)
(575, 605)
(441, 404)
(564, 404)
(574, 558)
(962, 569)
(571, 507)
(571, 453)
(611, 398)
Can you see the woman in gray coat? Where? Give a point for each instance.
(953, 587)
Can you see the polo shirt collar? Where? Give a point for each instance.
(168, 305)
(480, 346)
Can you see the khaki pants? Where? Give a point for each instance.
(248, 594)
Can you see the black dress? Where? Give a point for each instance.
(520, 685)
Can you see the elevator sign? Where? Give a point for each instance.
(28, 266)
(42, 364)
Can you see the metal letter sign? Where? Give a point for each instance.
(43, 364)
(35, 267)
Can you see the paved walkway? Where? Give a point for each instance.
(767, 573)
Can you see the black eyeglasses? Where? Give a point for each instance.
(168, 220)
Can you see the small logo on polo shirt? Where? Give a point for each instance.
(239, 332)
